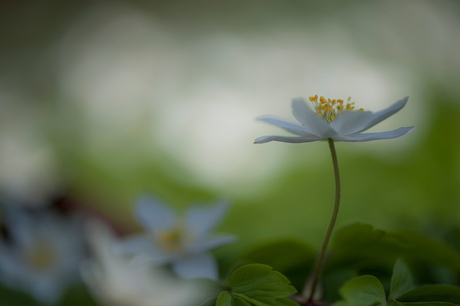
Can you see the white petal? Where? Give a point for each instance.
(202, 219)
(351, 122)
(309, 119)
(151, 258)
(387, 112)
(155, 215)
(287, 125)
(21, 225)
(10, 264)
(363, 137)
(265, 139)
(211, 243)
(203, 265)
(134, 245)
(47, 291)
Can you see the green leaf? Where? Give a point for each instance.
(333, 281)
(432, 293)
(284, 302)
(210, 290)
(225, 299)
(235, 266)
(292, 257)
(443, 275)
(356, 235)
(361, 246)
(401, 281)
(341, 303)
(363, 290)
(396, 303)
(240, 302)
(430, 251)
(260, 285)
(210, 302)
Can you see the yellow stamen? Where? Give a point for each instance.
(172, 240)
(329, 109)
(41, 256)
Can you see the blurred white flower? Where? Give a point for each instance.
(184, 242)
(114, 282)
(333, 119)
(42, 255)
(30, 167)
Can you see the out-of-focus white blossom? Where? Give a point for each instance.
(41, 254)
(114, 282)
(182, 241)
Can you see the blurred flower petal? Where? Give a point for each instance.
(199, 266)
(155, 215)
(212, 243)
(203, 219)
(135, 244)
(43, 255)
(151, 258)
(186, 238)
(115, 282)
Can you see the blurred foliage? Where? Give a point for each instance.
(75, 296)
(293, 258)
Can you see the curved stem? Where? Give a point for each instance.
(320, 260)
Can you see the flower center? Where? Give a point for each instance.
(173, 240)
(41, 256)
(330, 109)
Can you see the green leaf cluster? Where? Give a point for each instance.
(359, 243)
(367, 290)
(366, 250)
(257, 285)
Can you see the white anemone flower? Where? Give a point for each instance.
(333, 119)
(42, 255)
(114, 282)
(184, 241)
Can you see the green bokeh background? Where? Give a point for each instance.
(414, 187)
